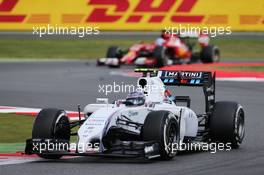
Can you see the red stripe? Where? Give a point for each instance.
(27, 113)
(146, 6)
(121, 6)
(187, 19)
(7, 5)
(17, 154)
(70, 114)
(100, 15)
(74, 115)
(222, 73)
(248, 64)
(186, 6)
(12, 18)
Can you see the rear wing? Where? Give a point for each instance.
(206, 80)
(185, 78)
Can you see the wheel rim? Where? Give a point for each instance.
(61, 127)
(171, 138)
(240, 126)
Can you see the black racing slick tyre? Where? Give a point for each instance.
(160, 54)
(113, 52)
(227, 123)
(210, 54)
(163, 128)
(195, 58)
(51, 124)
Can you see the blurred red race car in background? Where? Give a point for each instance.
(166, 50)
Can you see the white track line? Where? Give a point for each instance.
(17, 160)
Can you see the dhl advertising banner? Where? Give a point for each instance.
(240, 15)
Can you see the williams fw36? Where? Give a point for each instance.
(149, 123)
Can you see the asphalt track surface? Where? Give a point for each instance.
(66, 84)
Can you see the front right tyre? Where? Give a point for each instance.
(51, 124)
(163, 128)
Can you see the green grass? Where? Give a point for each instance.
(14, 129)
(244, 68)
(246, 48)
(12, 147)
(241, 48)
(57, 48)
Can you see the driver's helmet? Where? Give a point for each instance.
(135, 99)
(165, 35)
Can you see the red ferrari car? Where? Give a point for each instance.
(166, 50)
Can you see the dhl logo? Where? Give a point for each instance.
(132, 14)
(157, 11)
(102, 7)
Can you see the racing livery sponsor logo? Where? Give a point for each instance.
(186, 75)
(100, 12)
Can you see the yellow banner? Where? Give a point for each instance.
(240, 15)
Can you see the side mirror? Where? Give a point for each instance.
(183, 99)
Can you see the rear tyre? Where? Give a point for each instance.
(210, 54)
(114, 52)
(51, 124)
(195, 58)
(160, 54)
(227, 124)
(163, 128)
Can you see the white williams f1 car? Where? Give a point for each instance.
(148, 123)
